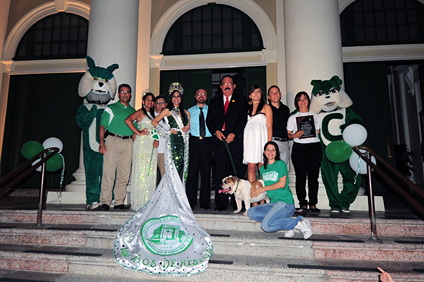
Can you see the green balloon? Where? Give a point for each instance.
(54, 163)
(31, 148)
(338, 151)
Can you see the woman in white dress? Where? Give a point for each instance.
(143, 174)
(257, 132)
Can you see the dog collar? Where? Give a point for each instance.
(237, 181)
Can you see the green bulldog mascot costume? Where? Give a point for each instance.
(332, 104)
(98, 87)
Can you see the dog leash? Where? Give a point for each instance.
(227, 148)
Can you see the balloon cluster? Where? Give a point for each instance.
(31, 148)
(341, 151)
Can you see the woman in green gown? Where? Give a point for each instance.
(177, 137)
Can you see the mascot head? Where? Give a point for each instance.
(327, 95)
(98, 85)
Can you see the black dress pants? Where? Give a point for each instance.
(200, 160)
(306, 160)
(224, 168)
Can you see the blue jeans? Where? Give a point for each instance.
(274, 216)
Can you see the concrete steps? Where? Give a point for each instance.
(78, 246)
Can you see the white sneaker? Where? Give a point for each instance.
(346, 210)
(92, 206)
(112, 204)
(289, 234)
(334, 210)
(304, 226)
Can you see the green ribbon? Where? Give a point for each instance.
(154, 134)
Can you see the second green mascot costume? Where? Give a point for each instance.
(333, 106)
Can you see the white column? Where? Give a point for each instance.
(4, 16)
(281, 50)
(313, 43)
(112, 38)
(143, 56)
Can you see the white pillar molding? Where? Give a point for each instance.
(47, 9)
(112, 38)
(249, 7)
(143, 50)
(313, 47)
(61, 5)
(281, 50)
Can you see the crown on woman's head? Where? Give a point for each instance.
(145, 92)
(176, 86)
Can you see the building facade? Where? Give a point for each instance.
(376, 47)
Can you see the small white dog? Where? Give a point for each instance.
(241, 189)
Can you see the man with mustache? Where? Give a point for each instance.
(226, 120)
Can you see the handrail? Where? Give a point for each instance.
(8, 182)
(370, 165)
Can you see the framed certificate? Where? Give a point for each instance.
(307, 124)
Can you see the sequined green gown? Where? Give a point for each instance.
(179, 144)
(144, 166)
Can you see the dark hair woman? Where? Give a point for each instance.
(306, 152)
(143, 176)
(277, 215)
(177, 137)
(257, 132)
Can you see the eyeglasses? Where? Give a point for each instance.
(201, 93)
(161, 102)
(228, 84)
(124, 92)
(175, 96)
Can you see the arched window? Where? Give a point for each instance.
(57, 36)
(382, 22)
(212, 28)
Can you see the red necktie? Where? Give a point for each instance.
(227, 103)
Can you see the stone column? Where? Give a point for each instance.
(313, 43)
(112, 38)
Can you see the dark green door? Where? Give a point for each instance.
(39, 107)
(366, 84)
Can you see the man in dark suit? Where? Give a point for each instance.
(226, 119)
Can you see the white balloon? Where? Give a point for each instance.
(36, 162)
(361, 191)
(355, 135)
(53, 142)
(358, 164)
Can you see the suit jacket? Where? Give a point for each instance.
(235, 119)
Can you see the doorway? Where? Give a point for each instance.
(209, 80)
(41, 106)
(407, 115)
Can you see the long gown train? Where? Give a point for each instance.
(163, 236)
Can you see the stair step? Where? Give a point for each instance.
(76, 245)
(229, 242)
(221, 267)
(237, 222)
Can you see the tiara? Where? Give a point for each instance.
(146, 91)
(176, 86)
